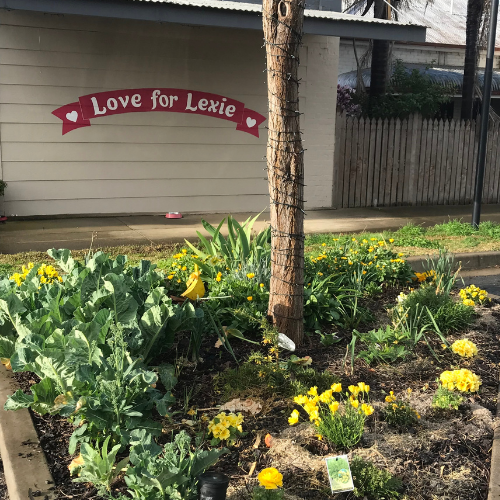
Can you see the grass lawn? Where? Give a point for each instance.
(455, 236)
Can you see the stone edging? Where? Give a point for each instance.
(27, 474)
(470, 261)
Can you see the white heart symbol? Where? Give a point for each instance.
(72, 117)
(251, 122)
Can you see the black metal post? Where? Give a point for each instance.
(485, 113)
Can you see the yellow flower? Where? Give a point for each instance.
(313, 391)
(326, 396)
(391, 397)
(323, 244)
(367, 409)
(184, 268)
(170, 277)
(250, 275)
(76, 463)
(262, 285)
(464, 348)
(250, 298)
(300, 400)
(354, 389)
(337, 387)
(294, 417)
(363, 387)
(270, 478)
(354, 402)
(391, 240)
(334, 406)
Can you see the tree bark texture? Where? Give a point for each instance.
(282, 22)
(472, 27)
(380, 56)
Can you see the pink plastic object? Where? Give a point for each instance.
(173, 215)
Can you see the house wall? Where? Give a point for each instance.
(147, 162)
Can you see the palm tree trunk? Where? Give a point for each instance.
(472, 27)
(282, 22)
(380, 57)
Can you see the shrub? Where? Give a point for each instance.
(373, 483)
(399, 413)
(446, 399)
(445, 269)
(340, 422)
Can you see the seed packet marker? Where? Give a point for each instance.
(339, 473)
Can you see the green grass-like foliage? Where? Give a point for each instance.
(446, 399)
(270, 377)
(373, 483)
(343, 428)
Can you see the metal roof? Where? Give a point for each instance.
(445, 19)
(257, 7)
(223, 13)
(447, 77)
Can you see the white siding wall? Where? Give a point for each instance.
(147, 162)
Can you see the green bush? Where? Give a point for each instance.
(373, 483)
(445, 399)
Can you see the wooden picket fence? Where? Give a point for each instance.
(411, 162)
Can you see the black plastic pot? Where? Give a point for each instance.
(212, 486)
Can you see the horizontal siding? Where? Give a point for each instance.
(12, 151)
(98, 133)
(136, 162)
(75, 170)
(68, 190)
(199, 204)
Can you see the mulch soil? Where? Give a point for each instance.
(445, 456)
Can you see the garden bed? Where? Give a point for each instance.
(128, 370)
(446, 455)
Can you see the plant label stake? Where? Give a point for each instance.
(212, 486)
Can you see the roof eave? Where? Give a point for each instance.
(207, 16)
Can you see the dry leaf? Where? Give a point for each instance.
(218, 344)
(247, 405)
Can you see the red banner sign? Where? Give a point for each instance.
(78, 114)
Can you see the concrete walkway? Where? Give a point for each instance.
(76, 232)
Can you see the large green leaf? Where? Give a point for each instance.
(63, 259)
(203, 460)
(44, 394)
(121, 302)
(7, 347)
(18, 400)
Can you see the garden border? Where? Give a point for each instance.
(26, 471)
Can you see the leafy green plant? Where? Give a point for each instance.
(446, 270)
(373, 483)
(260, 493)
(3, 185)
(239, 246)
(446, 399)
(399, 413)
(168, 473)
(383, 345)
(99, 466)
(343, 429)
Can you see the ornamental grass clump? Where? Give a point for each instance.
(226, 428)
(270, 481)
(398, 411)
(340, 422)
(464, 348)
(474, 296)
